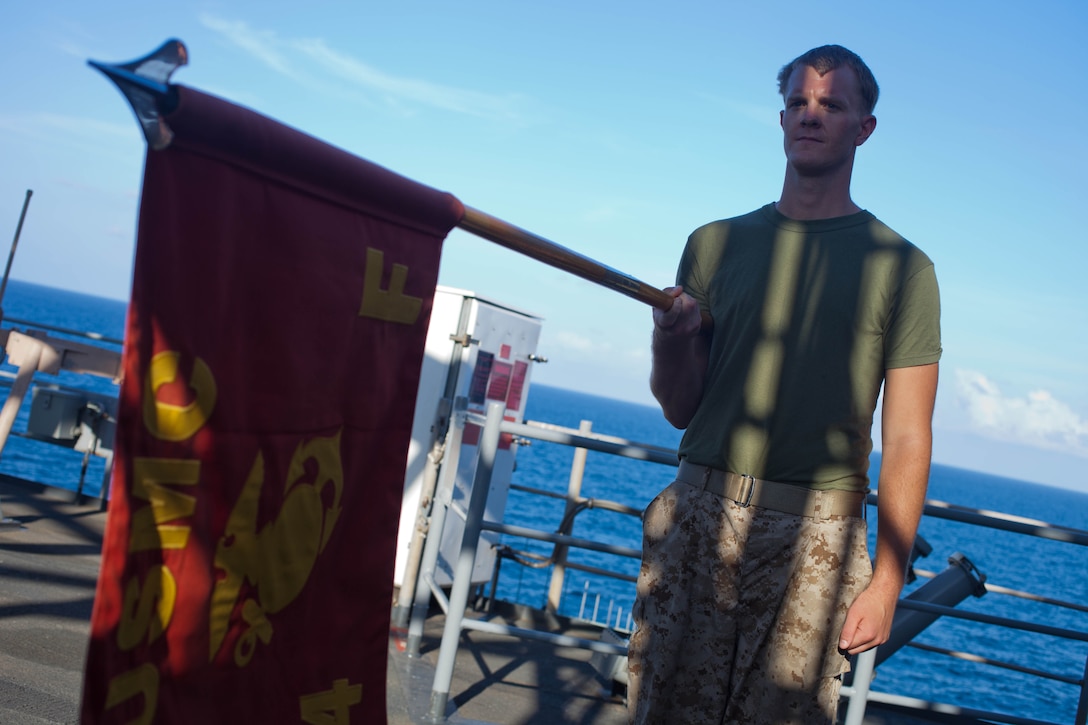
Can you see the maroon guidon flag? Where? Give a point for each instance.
(280, 300)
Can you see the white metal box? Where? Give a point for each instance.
(483, 351)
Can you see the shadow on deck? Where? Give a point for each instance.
(49, 563)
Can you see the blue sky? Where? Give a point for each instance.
(615, 128)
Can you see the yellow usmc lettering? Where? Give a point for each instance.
(148, 607)
(391, 305)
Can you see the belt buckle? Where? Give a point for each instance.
(748, 487)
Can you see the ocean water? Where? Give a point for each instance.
(1046, 568)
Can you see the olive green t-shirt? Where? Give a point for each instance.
(807, 317)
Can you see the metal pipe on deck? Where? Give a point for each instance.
(858, 689)
(604, 444)
(588, 544)
(1004, 522)
(559, 640)
(559, 553)
(960, 580)
(481, 484)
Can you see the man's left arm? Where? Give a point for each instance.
(907, 442)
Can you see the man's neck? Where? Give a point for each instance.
(806, 198)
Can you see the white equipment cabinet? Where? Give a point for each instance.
(482, 351)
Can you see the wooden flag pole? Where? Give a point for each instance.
(555, 255)
(552, 254)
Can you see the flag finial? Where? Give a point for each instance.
(144, 82)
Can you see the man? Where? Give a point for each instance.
(756, 583)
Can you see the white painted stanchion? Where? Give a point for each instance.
(462, 580)
(863, 678)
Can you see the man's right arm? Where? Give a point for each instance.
(680, 355)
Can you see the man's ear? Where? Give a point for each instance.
(868, 125)
(782, 118)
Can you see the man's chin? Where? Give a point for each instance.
(812, 167)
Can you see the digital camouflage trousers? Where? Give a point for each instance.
(739, 611)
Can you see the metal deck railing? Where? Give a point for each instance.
(858, 693)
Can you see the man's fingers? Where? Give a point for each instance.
(858, 632)
(858, 636)
(849, 630)
(683, 318)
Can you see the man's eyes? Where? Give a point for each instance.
(830, 105)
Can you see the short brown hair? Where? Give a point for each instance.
(830, 57)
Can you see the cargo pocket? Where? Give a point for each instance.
(854, 581)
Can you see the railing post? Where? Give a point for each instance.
(574, 492)
(462, 579)
(863, 678)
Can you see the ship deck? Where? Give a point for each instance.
(49, 563)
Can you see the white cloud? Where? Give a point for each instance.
(261, 44)
(574, 341)
(458, 100)
(1037, 419)
(288, 56)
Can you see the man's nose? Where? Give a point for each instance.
(810, 118)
